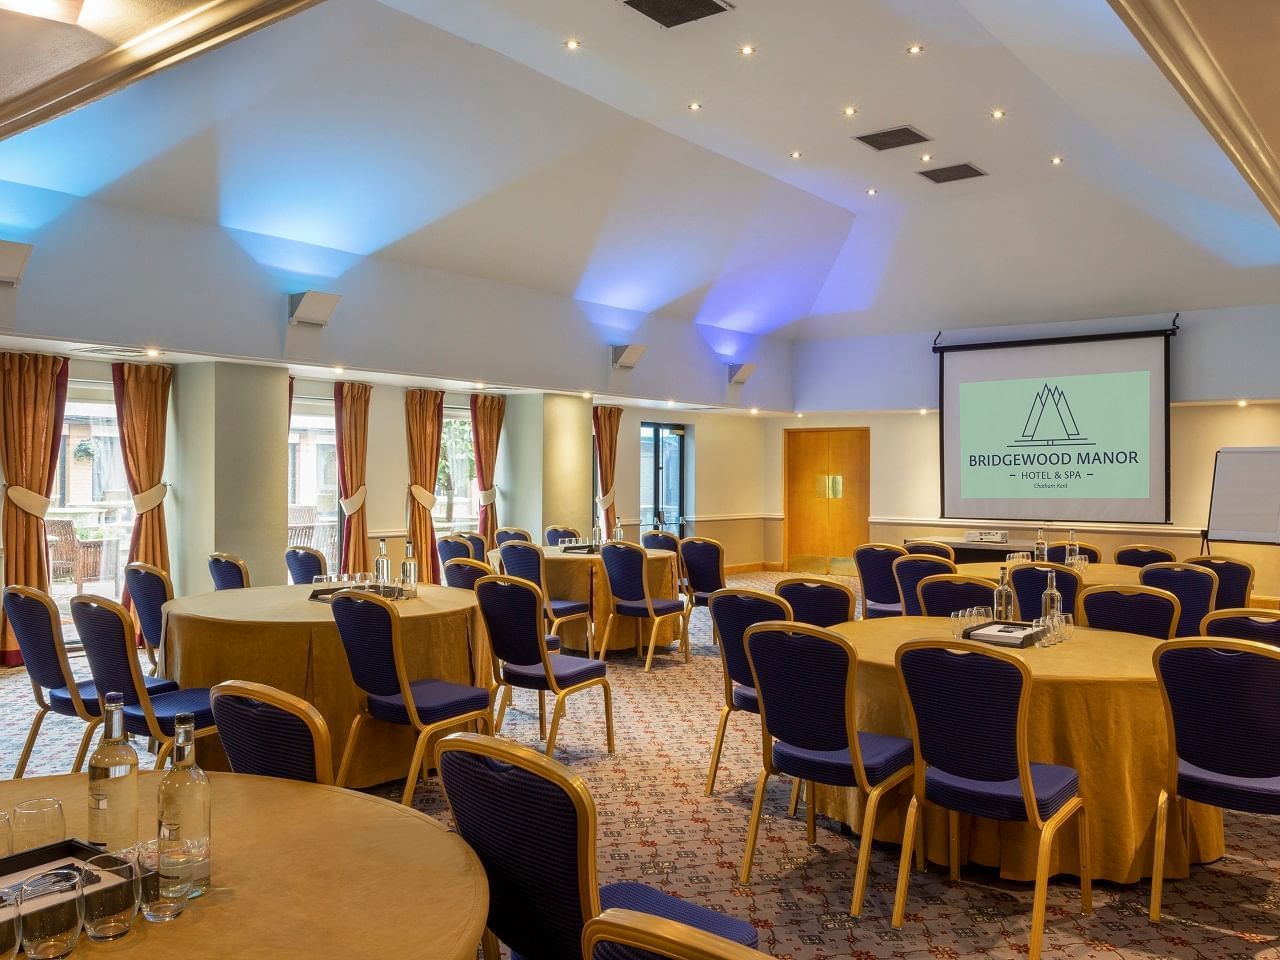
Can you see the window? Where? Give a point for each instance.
(662, 477)
(457, 495)
(313, 477)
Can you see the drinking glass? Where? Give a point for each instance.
(408, 589)
(1066, 626)
(10, 938)
(111, 904)
(1040, 625)
(51, 905)
(36, 823)
(164, 868)
(985, 615)
(957, 624)
(320, 578)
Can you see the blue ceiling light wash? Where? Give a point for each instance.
(290, 263)
(25, 211)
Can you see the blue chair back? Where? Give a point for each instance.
(1243, 624)
(451, 548)
(1058, 552)
(909, 570)
(942, 595)
(1221, 701)
(523, 560)
(266, 740)
(226, 573)
(507, 534)
(624, 566)
(1141, 554)
(554, 535)
(929, 548)
(150, 590)
(304, 566)
(660, 540)
(478, 546)
(513, 615)
(802, 679)
(106, 633)
(1195, 587)
(1235, 580)
(1128, 610)
(732, 613)
(368, 629)
(464, 573)
(874, 562)
(703, 562)
(33, 618)
(1030, 580)
(535, 838)
(816, 602)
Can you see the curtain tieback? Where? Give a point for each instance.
(605, 502)
(353, 502)
(489, 497)
(424, 496)
(150, 499)
(28, 501)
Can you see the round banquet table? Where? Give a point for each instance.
(302, 870)
(1094, 573)
(580, 576)
(1095, 706)
(279, 636)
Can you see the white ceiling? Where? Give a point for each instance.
(464, 137)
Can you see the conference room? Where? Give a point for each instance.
(639, 479)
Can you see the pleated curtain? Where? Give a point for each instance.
(351, 424)
(486, 426)
(142, 412)
(33, 398)
(606, 420)
(424, 425)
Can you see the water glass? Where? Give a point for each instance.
(1066, 626)
(1041, 626)
(407, 587)
(37, 823)
(51, 905)
(164, 868)
(10, 938)
(984, 614)
(957, 624)
(111, 904)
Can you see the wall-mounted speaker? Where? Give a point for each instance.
(312, 308)
(13, 260)
(740, 373)
(626, 356)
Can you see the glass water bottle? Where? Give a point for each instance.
(409, 565)
(1042, 548)
(618, 535)
(1051, 599)
(1002, 601)
(184, 810)
(113, 784)
(382, 564)
(1073, 546)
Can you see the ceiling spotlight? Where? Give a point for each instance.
(1242, 403)
(923, 411)
(671, 403)
(849, 111)
(915, 48)
(799, 416)
(755, 411)
(926, 157)
(872, 191)
(746, 50)
(997, 114)
(695, 106)
(796, 154)
(573, 43)
(339, 371)
(1056, 161)
(152, 352)
(586, 394)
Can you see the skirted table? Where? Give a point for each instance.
(1095, 706)
(1094, 574)
(278, 636)
(301, 870)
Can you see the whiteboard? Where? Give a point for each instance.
(1245, 505)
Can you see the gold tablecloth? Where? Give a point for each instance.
(301, 870)
(277, 636)
(1095, 706)
(1094, 573)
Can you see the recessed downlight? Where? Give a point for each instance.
(747, 50)
(671, 403)
(755, 411)
(799, 416)
(872, 191)
(339, 371)
(795, 154)
(586, 394)
(695, 106)
(926, 157)
(152, 352)
(849, 110)
(478, 385)
(923, 411)
(573, 43)
(998, 114)
(1055, 161)
(915, 49)
(1242, 403)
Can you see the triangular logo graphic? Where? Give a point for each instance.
(1050, 421)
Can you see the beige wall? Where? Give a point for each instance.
(567, 481)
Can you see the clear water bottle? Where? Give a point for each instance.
(1002, 600)
(113, 784)
(1051, 599)
(597, 536)
(382, 564)
(409, 565)
(618, 535)
(184, 807)
(1073, 547)
(1042, 547)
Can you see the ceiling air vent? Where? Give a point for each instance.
(892, 138)
(672, 13)
(959, 171)
(110, 353)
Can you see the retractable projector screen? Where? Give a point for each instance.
(1056, 430)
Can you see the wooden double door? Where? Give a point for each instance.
(827, 482)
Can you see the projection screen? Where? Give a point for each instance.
(1056, 430)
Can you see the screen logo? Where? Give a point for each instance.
(1050, 422)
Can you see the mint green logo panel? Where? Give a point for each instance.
(1083, 437)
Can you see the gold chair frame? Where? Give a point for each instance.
(820, 581)
(1184, 566)
(1209, 562)
(956, 578)
(562, 694)
(900, 551)
(916, 558)
(299, 548)
(168, 595)
(466, 562)
(1083, 546)
(528, 537)
(425, 731)
(1230, 613)
(1144, 546)
(1128, 590)
(1048, 829)
(574, 531)
(767, 769)
(653, 617)
(1061, 569)
(464, 534)
(684, 589)
(659, 936)
(554, 622)
(951, 551)
(321, 743)
(232, 558)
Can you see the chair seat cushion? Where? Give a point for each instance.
(569, 671)
(702, 597)
(60, 698)
(569, 608)
(882, 757)
(637, 608)
(746, 698)
(875, 609)
(1002, 799)
(436, 700)
(1261, 795)
(645, 899)
(167, 706)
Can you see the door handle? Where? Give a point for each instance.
(837, 487)
(824, 487)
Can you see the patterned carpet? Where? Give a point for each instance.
(657, 827)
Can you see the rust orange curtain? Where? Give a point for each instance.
(424, 424)
(486, 426)
(606, 420)
(33, 398)
(142, 411)
(351, 426)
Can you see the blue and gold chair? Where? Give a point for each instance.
(1195, 587)
(732, 612)
(514, 615)
(880, 594)
(463, 572)
(619, 934)
(532, 823)
(1141, 554)
(1030, 580)
(944, 593)
(1224, 732)
(269, 733)
(660, 540)
(700, 569)
(1058, 551)
(1235, 580)
(150, 589)
(455, 548)
(986, 771)
(505, 534)
(627, 569)
(557, 532)
(305, 564)
(151, 708)
(908, 570)
(1148, 611)
(527, 561)
(931, 548)
(479, 548)
(1243, 624)
(817, 602)
(369, 627)
(228, 571)
(806, 680)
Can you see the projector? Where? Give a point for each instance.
(986, 536)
